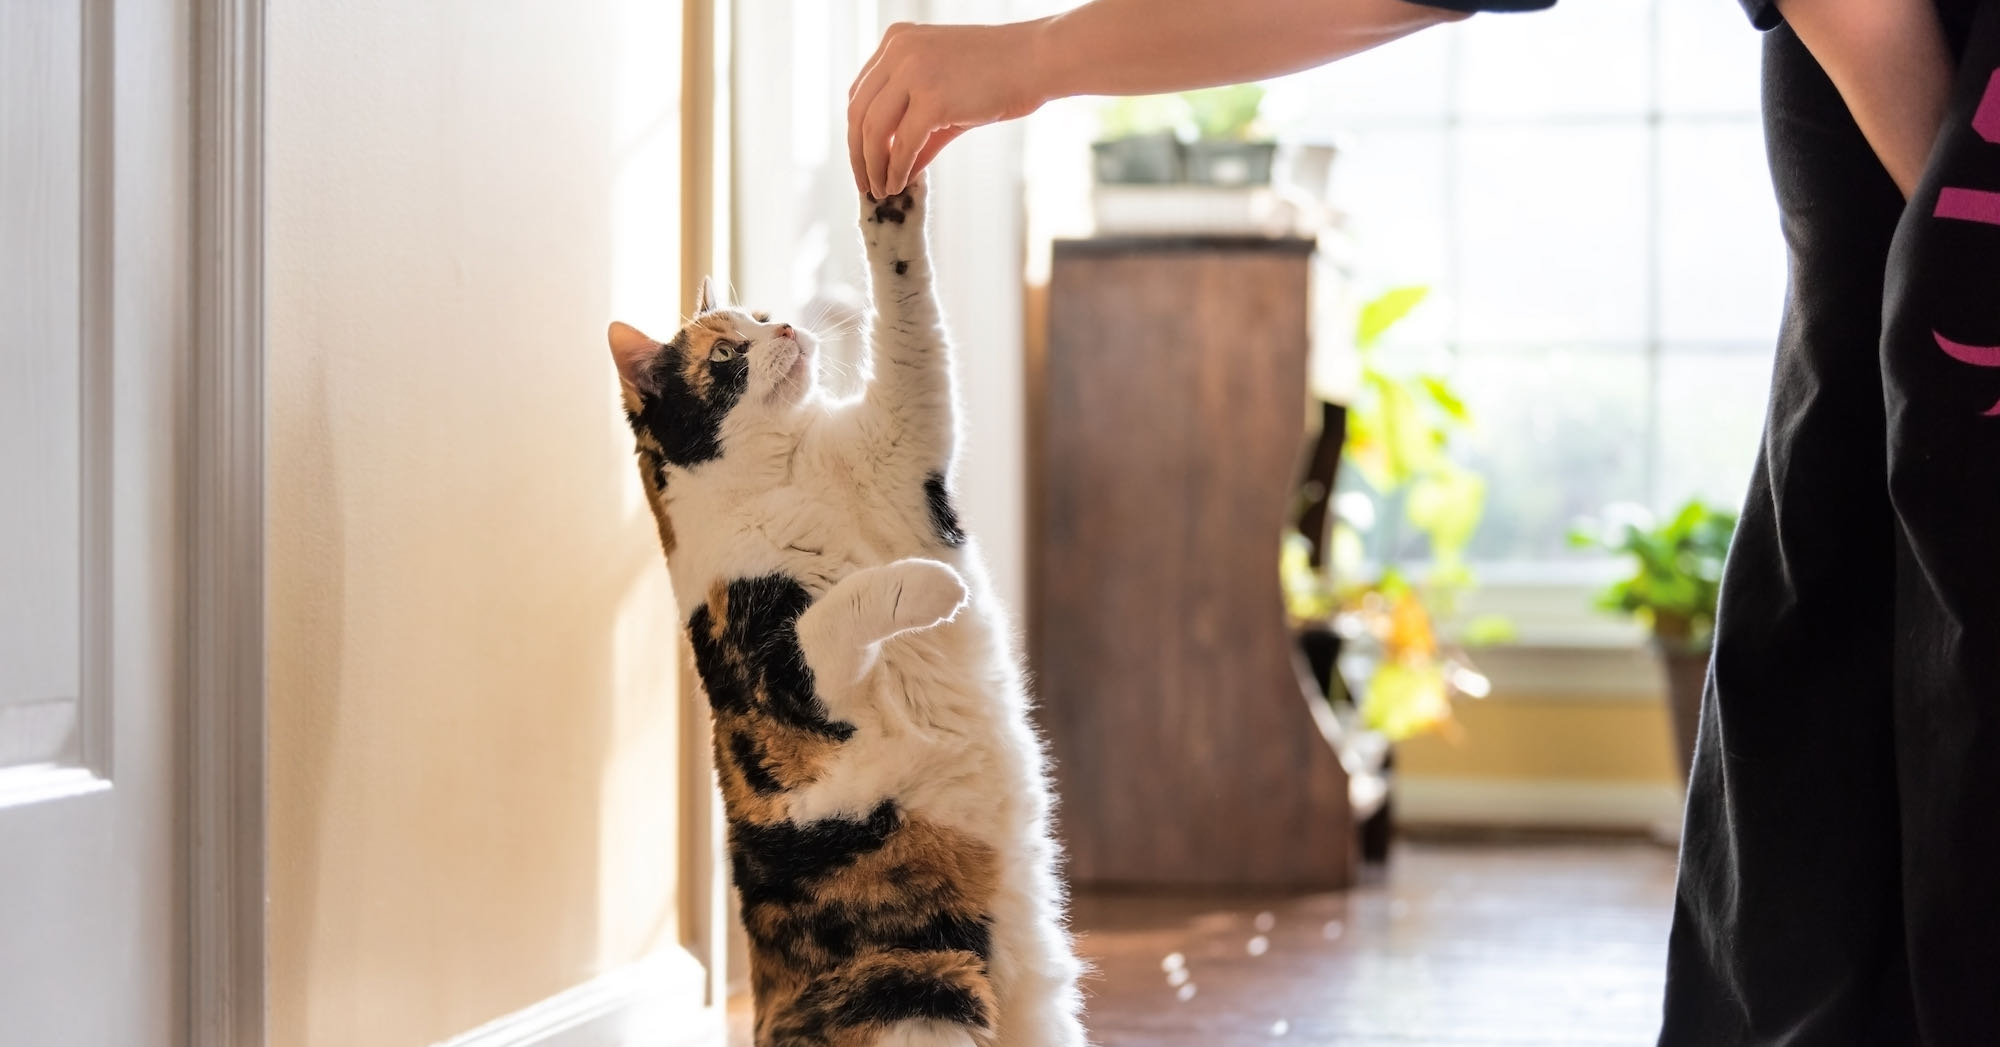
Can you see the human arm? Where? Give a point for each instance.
(1889, 62)
(928, 84)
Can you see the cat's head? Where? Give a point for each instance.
(724, 372)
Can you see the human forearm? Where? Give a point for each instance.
(1132, 47)
(927, 84)
(1889, 62)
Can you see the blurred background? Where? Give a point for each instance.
(1356, 452)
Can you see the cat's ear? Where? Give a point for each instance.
(632, 350)
(708, 298)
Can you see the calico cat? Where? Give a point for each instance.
(886, 796)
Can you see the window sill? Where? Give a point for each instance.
(1563, 649)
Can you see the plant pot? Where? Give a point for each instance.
(1686, 673)
(1153, 159)
(1214, 162)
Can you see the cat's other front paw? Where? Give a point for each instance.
(928, 593)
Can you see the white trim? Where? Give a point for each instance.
(707, 246)
(1559, 611)
(1653, 807)
(656, 1002)
(226, 697)
(42, 782)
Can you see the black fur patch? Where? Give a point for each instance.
(779, 862)
(944, 518)
(893, 209)
(947, 932)
(688, 426)
(840, 932)
(750, 760)
(754, 660)
(903, 995)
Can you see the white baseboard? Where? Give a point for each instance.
(656, 1002)
(1644, 806)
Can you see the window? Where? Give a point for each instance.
(1585, 191)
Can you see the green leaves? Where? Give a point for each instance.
(1225, 112)
(1445, 503)
(1383, 312)
(1141, 115)
(1404, 700)
(1489, 629)
(1676, 575)
(1399, 432)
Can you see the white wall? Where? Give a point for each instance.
(473, 725)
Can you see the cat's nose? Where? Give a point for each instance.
(784, 330)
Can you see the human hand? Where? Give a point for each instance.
(928, 84)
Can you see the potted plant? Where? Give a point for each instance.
(1369, 628)
(1676, 577)
(1399, 433)
(1138, 143)
(1229, 148)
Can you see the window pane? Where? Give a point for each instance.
(1711, 402)
(1709, 59)
(1592, 57)
(1390, 183)
(1408, 81)
(1722, 256)
(1552, 228)
(1560, 434)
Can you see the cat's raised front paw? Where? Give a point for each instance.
(897, 222)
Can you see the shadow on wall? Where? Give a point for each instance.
(474, 729)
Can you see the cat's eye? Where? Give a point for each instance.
(722, 352)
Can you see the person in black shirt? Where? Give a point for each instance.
(1840, 864)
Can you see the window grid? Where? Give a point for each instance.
(1654, 119)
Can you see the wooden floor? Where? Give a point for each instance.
(1467, 944)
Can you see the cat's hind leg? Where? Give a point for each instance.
(841, 634)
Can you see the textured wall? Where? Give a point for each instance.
(473, 726)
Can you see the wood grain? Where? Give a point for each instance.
(1524, 943)
(1168, 428)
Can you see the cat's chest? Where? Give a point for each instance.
(813, 531)
(840, 521)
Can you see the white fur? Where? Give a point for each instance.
(831, 493)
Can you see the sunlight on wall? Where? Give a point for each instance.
(474, 718)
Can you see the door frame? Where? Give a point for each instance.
(707, 162)
(223, 749)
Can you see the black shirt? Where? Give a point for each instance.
(1763, 12)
